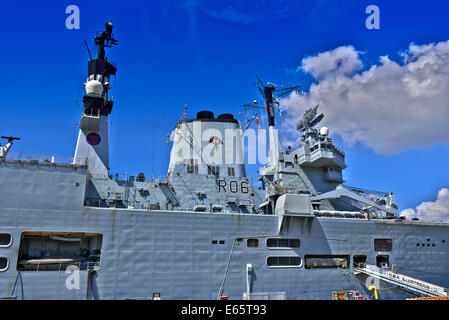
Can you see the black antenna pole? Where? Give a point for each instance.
(88, 51)
(270, 99)
(268, 92)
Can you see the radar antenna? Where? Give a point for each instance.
(271, 94)
(105, 40)
(309, 119)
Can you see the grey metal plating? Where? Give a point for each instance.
(203, 231)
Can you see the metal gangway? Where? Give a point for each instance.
(403, 281)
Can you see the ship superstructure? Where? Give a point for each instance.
(205, 231)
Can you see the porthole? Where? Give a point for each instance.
(4, 262)
(5, 239)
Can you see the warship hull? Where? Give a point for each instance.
(69, 230)
(197, 255)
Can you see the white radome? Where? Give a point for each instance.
(324, 131)
(94, 88)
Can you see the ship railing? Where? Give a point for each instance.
(296, 146)
(56, 265)
(124, 177)
(338, 149)
(339, 214)
(327, 147)
(331, 146)
(39, 157)
(365, 192)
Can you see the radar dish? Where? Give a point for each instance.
(309, 119)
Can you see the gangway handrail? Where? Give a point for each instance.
(403, 281)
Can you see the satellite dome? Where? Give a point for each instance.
(324, 131)
(94, 88)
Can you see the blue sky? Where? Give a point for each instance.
(204, 54)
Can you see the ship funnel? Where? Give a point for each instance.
(208, 145)
(205, 115)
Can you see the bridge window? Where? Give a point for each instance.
(3, 263)
(283, 243)
(326, 261)
(284, 261)
(5, 239)
(383, 244)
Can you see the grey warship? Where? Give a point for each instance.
(72, 230)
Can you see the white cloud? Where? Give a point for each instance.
(388, 106)
(342, 61)
(437, 210)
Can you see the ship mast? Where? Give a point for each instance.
(270, 99)
(92, 145)
(100, 71)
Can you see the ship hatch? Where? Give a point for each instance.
(55, 251)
